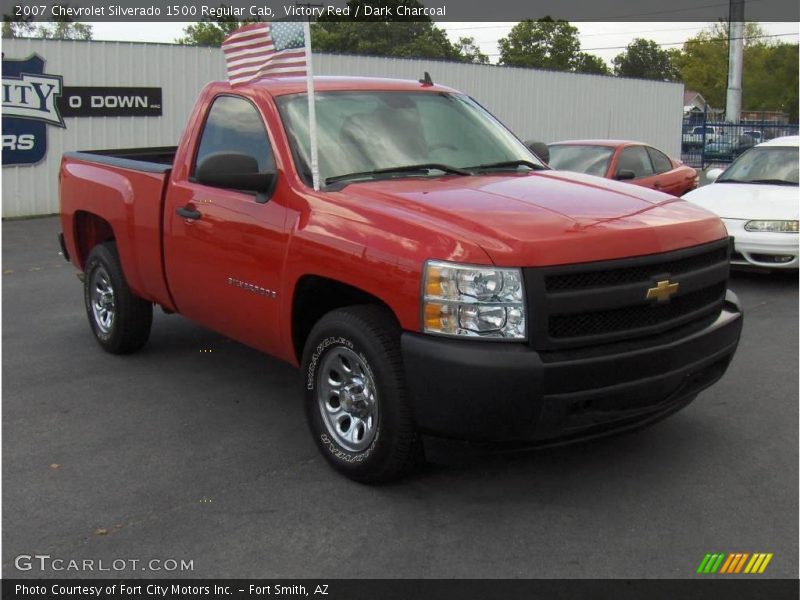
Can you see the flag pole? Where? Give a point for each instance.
(312, 109)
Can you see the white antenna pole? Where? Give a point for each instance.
(312, 109)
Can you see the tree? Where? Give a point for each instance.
(62, 28)
(17, 27)
(405, 37)
(65, 30)
(471, 52)
(541, 44)
(548, 44)
(589, 63)
(402, 37)
(769, 76)
(210, 32)
(646, 60)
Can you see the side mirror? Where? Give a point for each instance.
(624, 174)
(540, 149)
(235, 171)
(713, 174)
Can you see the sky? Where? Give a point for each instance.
(605, 40)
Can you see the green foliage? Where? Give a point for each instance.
(401, 39)
(770, 78)
(646, 60)
(541, 44)
(65, 30)
(547, 44)
(470, 51)
(62, 28)
(769, 75)
(589, 63)
(14, 27)
(404, 37)
(210, 32)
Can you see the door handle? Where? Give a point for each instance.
(188, 213)
(657, 184)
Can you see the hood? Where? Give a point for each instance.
(545, 217)
(748, 200)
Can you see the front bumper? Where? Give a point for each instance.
(486, 391)
(761, 248)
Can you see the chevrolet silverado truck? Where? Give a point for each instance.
(441, 282)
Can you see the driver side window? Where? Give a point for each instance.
(234, 125)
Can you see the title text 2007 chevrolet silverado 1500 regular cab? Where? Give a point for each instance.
(441, 282)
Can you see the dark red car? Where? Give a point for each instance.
(634, 162)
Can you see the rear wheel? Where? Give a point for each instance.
(119, 320)
(356, 395)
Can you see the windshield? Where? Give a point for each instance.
(361, 132)
(592, 160)
(776, 164)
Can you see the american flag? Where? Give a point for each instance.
(265, 50)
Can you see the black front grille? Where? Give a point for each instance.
(588, 279)
(634, 317)
(582, 305)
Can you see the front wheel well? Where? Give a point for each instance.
(316, 296)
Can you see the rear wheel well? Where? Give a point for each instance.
(90, 230)
(316, 296)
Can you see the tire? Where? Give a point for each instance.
(119, 320)
(355, 395)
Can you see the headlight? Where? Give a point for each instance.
(482, 302)
(772, 226)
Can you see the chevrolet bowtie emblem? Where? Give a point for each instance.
(663, 291)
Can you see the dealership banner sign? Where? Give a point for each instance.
(29, 106)
(110, 102)
(34, 100)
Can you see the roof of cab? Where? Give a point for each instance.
(280, 86)
(787, 140)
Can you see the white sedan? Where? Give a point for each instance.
(757, 199)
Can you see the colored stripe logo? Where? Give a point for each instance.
(735, 563)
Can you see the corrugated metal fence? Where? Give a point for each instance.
(547, 106)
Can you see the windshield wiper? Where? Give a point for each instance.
(423, 167)
(773, 181)
(508, 163)
(769, 181)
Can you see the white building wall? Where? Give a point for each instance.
(543, 105)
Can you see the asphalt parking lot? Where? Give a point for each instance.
(196, 448)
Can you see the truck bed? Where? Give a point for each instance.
(152, 160)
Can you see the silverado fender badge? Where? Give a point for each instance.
(250, 287)
(663, 291)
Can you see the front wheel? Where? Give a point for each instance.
(355, 395)
(119, 320)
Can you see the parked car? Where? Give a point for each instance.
(758, 136)
(702, 134)
(728, 147)
(633, 162)
(442, 280)
(757, 198)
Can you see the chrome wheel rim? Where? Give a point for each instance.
(347, 399)
(102, 299)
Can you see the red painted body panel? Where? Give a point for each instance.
(375, 236)
(132, 203)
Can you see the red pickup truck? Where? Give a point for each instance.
(442, 281)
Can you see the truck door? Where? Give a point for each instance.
(224, 248)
